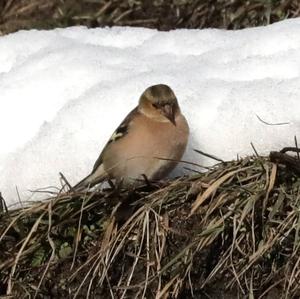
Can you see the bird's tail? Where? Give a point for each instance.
(91, 180)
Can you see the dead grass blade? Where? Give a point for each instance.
(239, 220)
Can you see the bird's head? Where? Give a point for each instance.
(160, 103)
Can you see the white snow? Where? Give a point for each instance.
(64, 91)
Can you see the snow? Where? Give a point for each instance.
(64, 91)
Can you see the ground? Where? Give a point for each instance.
(163, 15)
(242, 236)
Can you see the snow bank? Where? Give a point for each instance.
(63, 92)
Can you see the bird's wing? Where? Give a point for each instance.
(119, 133)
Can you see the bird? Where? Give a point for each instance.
(149, 142)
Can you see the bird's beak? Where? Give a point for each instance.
(169, 113)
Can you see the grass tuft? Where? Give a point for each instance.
(233, 230)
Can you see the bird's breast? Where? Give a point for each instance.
(146, 149)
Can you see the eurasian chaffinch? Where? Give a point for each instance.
(149, 142)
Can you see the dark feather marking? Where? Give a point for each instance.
(120, 132)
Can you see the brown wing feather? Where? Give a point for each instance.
(120, 132)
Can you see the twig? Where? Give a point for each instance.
(209, 156)
(296, 144)
(272, 124)
(255, 151)
(65, 180)
(3, 206)
(290, 149)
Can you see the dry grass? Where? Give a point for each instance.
(163, 15)
(231, 231)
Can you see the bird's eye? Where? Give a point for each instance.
(155, 106)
